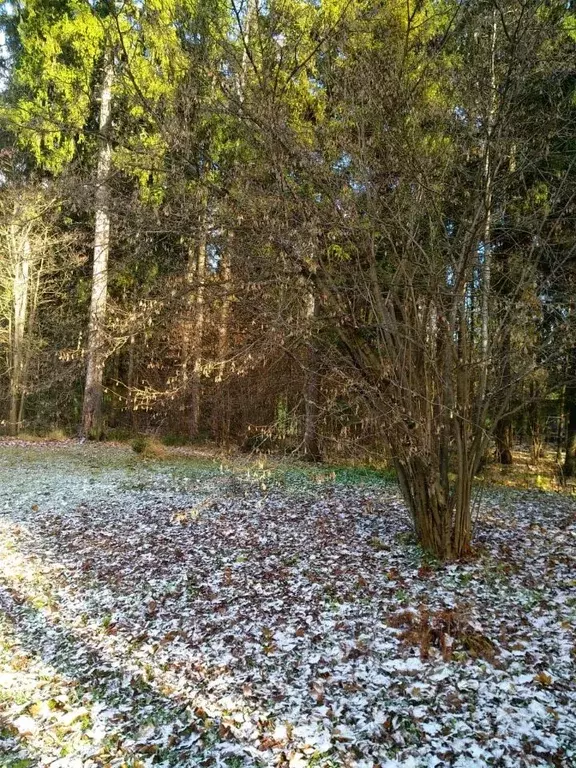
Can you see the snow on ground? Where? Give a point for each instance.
(178, 614)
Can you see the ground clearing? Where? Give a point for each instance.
(183, 613)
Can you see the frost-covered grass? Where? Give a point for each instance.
(193, 612)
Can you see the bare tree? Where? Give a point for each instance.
(32, 252)
(410, 194)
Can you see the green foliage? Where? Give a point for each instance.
(59, 47)
(119, 434)
(139, 444)
(175, 440)
(53, 97)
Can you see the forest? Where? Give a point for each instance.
(287, 317)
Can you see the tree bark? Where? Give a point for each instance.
(569, 467)
(487, 241)
(191, 371)
(221, 412)
(21, 260)
(131, 382)
(311, 444)
(443, 526)
(503, 430)
(536, 427)
(195, 389)
(92, 425)
(560, 425)
(31, 323)
(503, 439)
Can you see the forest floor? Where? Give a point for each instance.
(184, 612)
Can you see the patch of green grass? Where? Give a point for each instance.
(175, 440)
(363, 475)
(14, 696)
(531, 598)
(106, 620)
(377, 544)
(294, 477)
(119, 434)
(235, 762)
(139, 444)
(210, 738)
(495, 573)
(18, 762)
(401, 596)
(428, 559)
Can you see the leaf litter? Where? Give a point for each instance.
(167, 614)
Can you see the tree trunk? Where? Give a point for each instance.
(221, 412)
(194, 329)
(116, 402)
(569, 468)
(131, 383)
(21, 260)
(224, 314)
(31, 322)
(93, 392)
(443, 526)
(312, 450)
(570, 458)
(503, 439)
(195, 388)
(536, 437)
(311, 444)
(560, 425)
(503, 431)
(487, 241)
